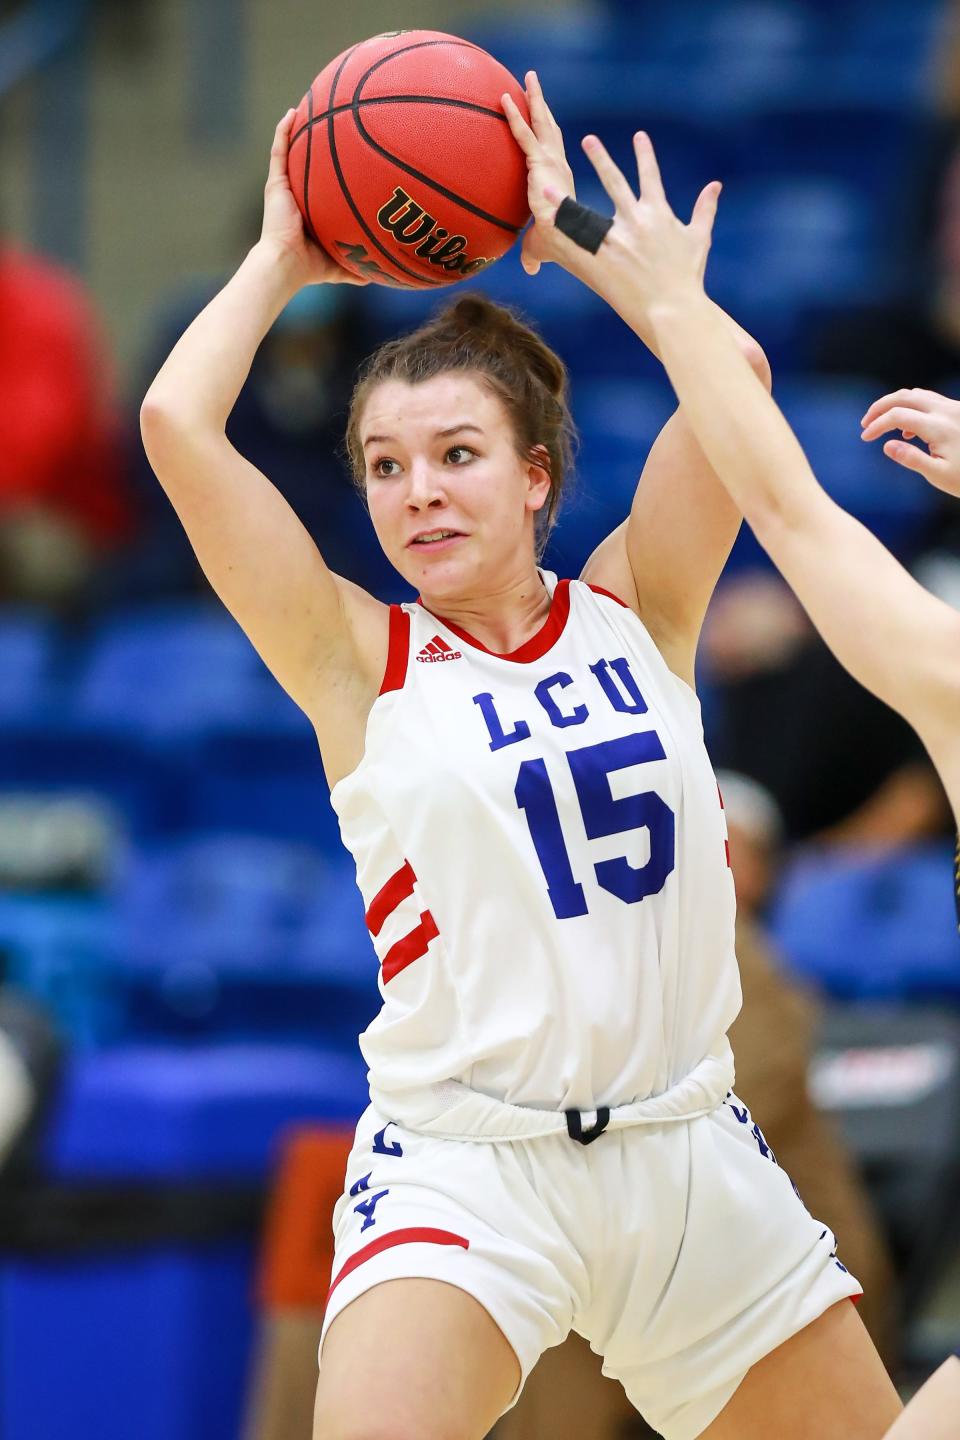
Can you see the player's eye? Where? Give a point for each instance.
(460, 454)
(385, 474)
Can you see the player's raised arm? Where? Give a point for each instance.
(896, 638)
(250, 544)
(666, 558)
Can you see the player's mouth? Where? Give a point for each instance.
(439, 539)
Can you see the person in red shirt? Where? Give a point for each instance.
(63, 504)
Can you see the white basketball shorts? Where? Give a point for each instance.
(681, 1252)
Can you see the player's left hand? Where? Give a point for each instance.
(542, 143)
(648, 253)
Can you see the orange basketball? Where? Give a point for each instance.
(402, 161)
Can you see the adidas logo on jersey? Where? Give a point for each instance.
(438, 649)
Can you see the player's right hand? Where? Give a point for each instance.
(922, 415)
(283, 224)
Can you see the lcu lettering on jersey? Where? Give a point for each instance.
(380, 1146)
(622, 694)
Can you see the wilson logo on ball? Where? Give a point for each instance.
(412, 225)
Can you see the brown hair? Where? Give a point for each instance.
(474, 334)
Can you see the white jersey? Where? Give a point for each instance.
(541, 849)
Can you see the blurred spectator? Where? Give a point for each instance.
(289, 421)
(842, 767)
(64, 509)
(29, 1063)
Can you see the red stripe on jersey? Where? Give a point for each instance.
(389, 896)
(599, 590)
(410, 948)
(398, 647)
(415, 1235)
(532, 649)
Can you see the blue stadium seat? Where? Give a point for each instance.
(826, 416)
(618, 422)
(872, 928)
(223, 895)
(268, 781)
(168, 670)
(147, 790)
(190, 1112)
(632, 411)
(599, 500)
(335, 943)
(27, 660)
(58, 949)
(170, 1273)
(523, 41)
(242, 935)
(789, 241)
(871, 147)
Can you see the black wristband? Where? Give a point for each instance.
(585, 227)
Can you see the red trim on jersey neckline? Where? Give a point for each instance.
(398, 647)
(599, 590)
(538, 644)
(413, 1235)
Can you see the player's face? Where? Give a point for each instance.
(451, 501)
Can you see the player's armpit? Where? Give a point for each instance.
(609, 567)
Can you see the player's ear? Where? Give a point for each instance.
(539, 477)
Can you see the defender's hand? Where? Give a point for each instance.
(647, 255)
(922, 415)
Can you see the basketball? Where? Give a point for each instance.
(402, 162)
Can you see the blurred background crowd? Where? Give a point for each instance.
(184, 966)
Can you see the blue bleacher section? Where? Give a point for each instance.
(180, 1323)
(193, 1113)
(180, 1124)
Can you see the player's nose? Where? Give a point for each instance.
(425, 485)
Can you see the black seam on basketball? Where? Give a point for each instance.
(331, 141)
(399, 100)
(306, 170)
(401, 164)
(433, 184)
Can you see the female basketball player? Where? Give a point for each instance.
(897, 639)
(518, 767)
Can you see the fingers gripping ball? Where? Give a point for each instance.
(402, 162)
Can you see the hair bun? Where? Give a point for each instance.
(498, 327)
